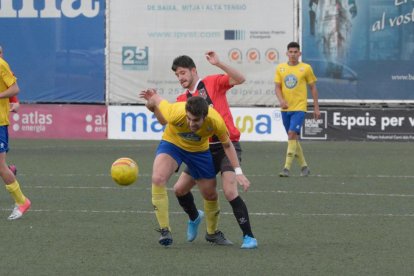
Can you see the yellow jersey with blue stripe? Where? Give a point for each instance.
(7, 79)
(178, 132)
(294, 80)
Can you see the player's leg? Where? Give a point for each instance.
(167, 160)
(231, 193)
(182, 190)
(201, 168)
(212, 210)
(208, 191)
(290, 152)
(295, 120)
(300, 157)
(286, 116)
(163, 167)
(22, 203)
(13, 169)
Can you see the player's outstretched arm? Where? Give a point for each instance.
(236, 77)
(153, 101)
(232, 156)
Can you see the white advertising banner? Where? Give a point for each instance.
(137, 123)
(145, 36)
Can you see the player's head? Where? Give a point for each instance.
(186, 71)
(196, 110)
(184, 62)
(293, 44)
(1, 51)
(293, 52)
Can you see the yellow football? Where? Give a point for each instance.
(124, 171)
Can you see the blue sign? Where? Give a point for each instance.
(360, 49)
(56, 49)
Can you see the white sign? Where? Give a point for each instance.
(145, 36)
(137, 123)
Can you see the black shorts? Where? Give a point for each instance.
(220, 160)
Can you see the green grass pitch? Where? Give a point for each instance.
(353, 216)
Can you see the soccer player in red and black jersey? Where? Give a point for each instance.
(213, 88)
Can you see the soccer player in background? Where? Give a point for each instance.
(14, 107)
(185, 139)
(213, 89)
(291, 81)
(8, 89)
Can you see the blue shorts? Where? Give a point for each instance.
(4, 139)
(200, 164)
(293, 120)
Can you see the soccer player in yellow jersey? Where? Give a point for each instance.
(292, 79)
(9, 88)
(186, 140)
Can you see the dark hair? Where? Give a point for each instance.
(184, 62)
(197, 106)
(293, 44)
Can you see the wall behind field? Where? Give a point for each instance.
(102, 52)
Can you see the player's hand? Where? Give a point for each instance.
(316, 113)
(283, 104)
(147, 94)
(212, 57)
(14, 107)
(243, 181)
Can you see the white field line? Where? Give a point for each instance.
(226, 213)
(248, 175)
(219, 190)
(269, 214)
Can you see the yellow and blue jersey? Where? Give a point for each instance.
(178, 133)
(7, 79)
(294, 80)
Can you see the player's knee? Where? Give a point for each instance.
(159, 179)
(180, 190)
(210, 195)
(230, 194)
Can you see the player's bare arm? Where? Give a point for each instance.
(236, 77)
(13, 90)
(314, 91)
(278, 89)
(153, 100)
(232, 156)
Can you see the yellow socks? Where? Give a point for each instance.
(299, 155)
(160, 203)
(16, 193)
(290, 154)
(212, 210)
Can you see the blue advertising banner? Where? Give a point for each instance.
(360, 50)
(55, 48)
